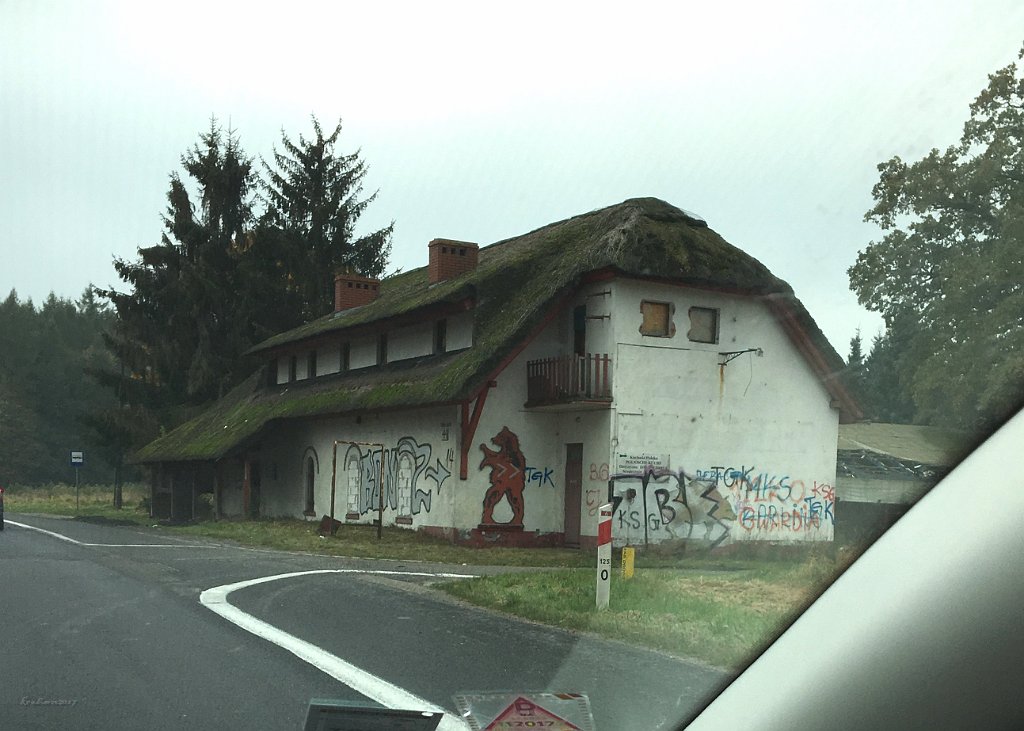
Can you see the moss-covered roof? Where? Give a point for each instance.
(515, 282)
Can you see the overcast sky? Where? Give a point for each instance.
(767, 119)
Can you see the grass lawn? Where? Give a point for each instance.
(716, 609)
(720, 617)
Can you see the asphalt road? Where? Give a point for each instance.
(114, 636)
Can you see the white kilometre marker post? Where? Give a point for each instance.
(604, 555)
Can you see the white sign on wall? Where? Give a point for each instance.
(637, 462)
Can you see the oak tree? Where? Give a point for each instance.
(950, 265)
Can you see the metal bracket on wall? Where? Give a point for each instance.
(729, 356)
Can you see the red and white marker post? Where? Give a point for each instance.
(604, 555)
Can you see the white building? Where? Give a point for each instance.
(502, 394)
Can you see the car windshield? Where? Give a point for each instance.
(521, 365)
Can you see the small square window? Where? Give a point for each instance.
(657, 319)
(703, 325)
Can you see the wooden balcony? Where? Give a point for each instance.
(570, 380)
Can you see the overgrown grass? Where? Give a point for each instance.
(96, 502)
(93, 500)
(722, 618)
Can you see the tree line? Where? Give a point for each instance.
(47, 397)
(248, 250)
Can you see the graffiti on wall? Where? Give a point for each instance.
(409, 480)
(774, 505)
(508, 476)
(657, 503)
(670, 504)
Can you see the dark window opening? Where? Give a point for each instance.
(657, 319)
(440, 336)
(382, 349)
(293, 363)
(311, 364)
(703, 325)
(579, 330)
(310, 483)
(344, 357)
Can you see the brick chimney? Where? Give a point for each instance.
(450, 259)
(353, 290)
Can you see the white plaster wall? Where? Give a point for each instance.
(459, 331)
(411, 342)
(761, 429)
(424, 440)
(542, 439)
(362, 353)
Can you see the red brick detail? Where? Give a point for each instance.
(353, 290)
(450, 259)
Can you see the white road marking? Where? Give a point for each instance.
(112, 545)
(215, 599)
(376, 689)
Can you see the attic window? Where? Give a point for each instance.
(703, 325)
(462, 252)
(657, 319)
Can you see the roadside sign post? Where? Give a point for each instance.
(604, 555)
(77, 461)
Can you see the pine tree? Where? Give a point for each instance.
(182, 328)
(308, 231)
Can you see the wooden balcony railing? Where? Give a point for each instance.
(569, 378)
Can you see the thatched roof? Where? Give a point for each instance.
(515, 283)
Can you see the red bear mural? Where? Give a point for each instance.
(508, 476)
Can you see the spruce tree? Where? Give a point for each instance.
(312, 194)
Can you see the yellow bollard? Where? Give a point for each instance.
(627, 562)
